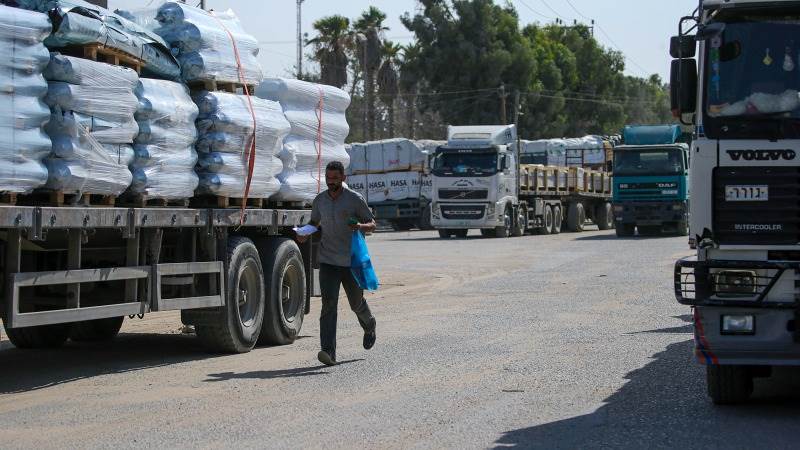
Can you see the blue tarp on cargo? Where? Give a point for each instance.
(651, 134)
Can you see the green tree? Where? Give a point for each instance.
(370, 28)
(388, 81)
(470, 47)
(330, 49)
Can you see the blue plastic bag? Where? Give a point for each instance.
(361, 264)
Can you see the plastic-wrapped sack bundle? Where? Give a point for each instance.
(202, 43)
(23, 143)
(92, 125)
(80, 23)
(165, 154)
(225, 127)
(319, 128)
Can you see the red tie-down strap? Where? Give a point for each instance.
(250, 147)
(318, 143)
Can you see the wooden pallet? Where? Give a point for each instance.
(102, 53)
(144, 201)
(59, 198)
(289, 205)
(215, 201)
(8, 198)
(222, 86)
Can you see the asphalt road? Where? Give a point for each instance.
(569, 341)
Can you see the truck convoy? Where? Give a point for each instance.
(651, 189)
(745, 184)
(479, 184)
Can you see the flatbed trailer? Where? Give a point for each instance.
(75, 272)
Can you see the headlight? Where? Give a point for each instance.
(739, 324)
(735, 283)
(619, 208)
(677, 207)
(490, 209)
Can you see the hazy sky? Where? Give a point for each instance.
(640, 29)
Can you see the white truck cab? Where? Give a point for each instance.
(475, 180)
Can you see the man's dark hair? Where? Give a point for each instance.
(335, 165)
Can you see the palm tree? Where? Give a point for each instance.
(330, 49)
(370, 27)
(388, 83)
(410, 76)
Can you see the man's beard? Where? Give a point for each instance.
(334, 187)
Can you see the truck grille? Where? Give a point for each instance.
(463, 194)
(772, 222)
(463, 212)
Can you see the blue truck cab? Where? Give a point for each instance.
(651, 181)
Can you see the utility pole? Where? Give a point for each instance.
(202, 4)
(299, 39)
(516, 109)
(503, 94)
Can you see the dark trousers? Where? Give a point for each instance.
(330, 279)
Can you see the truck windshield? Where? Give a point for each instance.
(648, 162)
(753, 75)
(464, 162)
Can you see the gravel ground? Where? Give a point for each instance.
(568, 341)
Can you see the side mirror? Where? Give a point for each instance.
(683, 86)
(682, 47)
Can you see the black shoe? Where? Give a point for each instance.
(369, 337)
(325, 358)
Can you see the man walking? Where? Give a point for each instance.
(338, 212)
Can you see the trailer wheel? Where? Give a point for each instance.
(402, 224)
(548, 220)
(625, 229)
(604, 216)
(558, 219)
(521, 224)
(461, 233)
(425, 219)
(445, 234)
(576, 217)
(45, 336)
(285, 279)
(96, 330)
(728, 385)
(236, 326)
(504, 231)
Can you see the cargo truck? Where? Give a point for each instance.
(745, 183)
(478, 184)
(76, 272)
(651, 188)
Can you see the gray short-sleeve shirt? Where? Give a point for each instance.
(333, 217)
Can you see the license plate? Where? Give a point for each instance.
(747, 193)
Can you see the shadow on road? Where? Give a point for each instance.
(270, 374)
(664, 405)
(28, 370)
(613, 237)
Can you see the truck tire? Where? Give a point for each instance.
(402, 224)
(729, 385)
(558, 219)
(45, 336)
(445, 234)
(99, 330)
(285, 280)
(236, 326)
(521, 224)
(576, 217)
(625, 229)
(461, 233)
(604, 216)
(548, 220)
(683, 228)
(504, 231)
(425, 219)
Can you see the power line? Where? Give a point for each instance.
(533, 10)
(544, 2)
(627, 58)
(577, 11)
